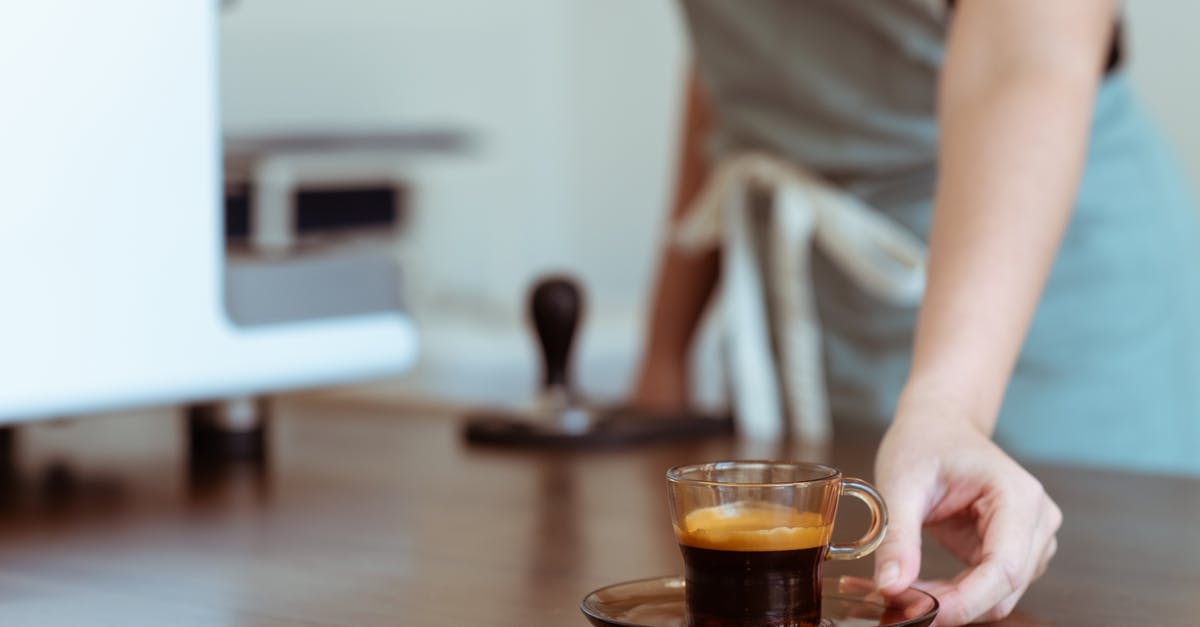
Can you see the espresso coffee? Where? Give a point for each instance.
(759, 588)
(753, 565)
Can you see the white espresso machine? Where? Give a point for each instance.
(114, 278)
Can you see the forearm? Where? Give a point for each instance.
(684, 285)
(1013, 140)
(685, 280)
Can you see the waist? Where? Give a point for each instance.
(894, 171)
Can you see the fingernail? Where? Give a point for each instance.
(888, 574)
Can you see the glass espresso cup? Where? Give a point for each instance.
(754, 535)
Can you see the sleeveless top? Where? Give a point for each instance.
(1110, 371)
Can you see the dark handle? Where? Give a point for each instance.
(555, 305)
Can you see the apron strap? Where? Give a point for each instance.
(767, 303)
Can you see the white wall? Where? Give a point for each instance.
(494, 70)
(573, 104)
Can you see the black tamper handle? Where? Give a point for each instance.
(555, 305)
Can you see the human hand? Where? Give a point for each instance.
(941, 472)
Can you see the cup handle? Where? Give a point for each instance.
(862, 547)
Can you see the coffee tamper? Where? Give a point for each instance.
(560, 417)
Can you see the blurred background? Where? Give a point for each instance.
(384, 161)
(568, 110)
(566, 113)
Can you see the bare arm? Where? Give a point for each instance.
(1015, 106)
(685, 281)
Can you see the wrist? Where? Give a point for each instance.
(937, 403)
(666, 350)
(661, 385)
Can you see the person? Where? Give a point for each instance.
(1063, 249)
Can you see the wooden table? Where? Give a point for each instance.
(369, 515)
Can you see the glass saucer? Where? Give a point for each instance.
(845, 602)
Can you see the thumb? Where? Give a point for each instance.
(898, 558)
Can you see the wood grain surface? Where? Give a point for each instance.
(366, 513)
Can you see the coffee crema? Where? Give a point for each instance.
(752, 526)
